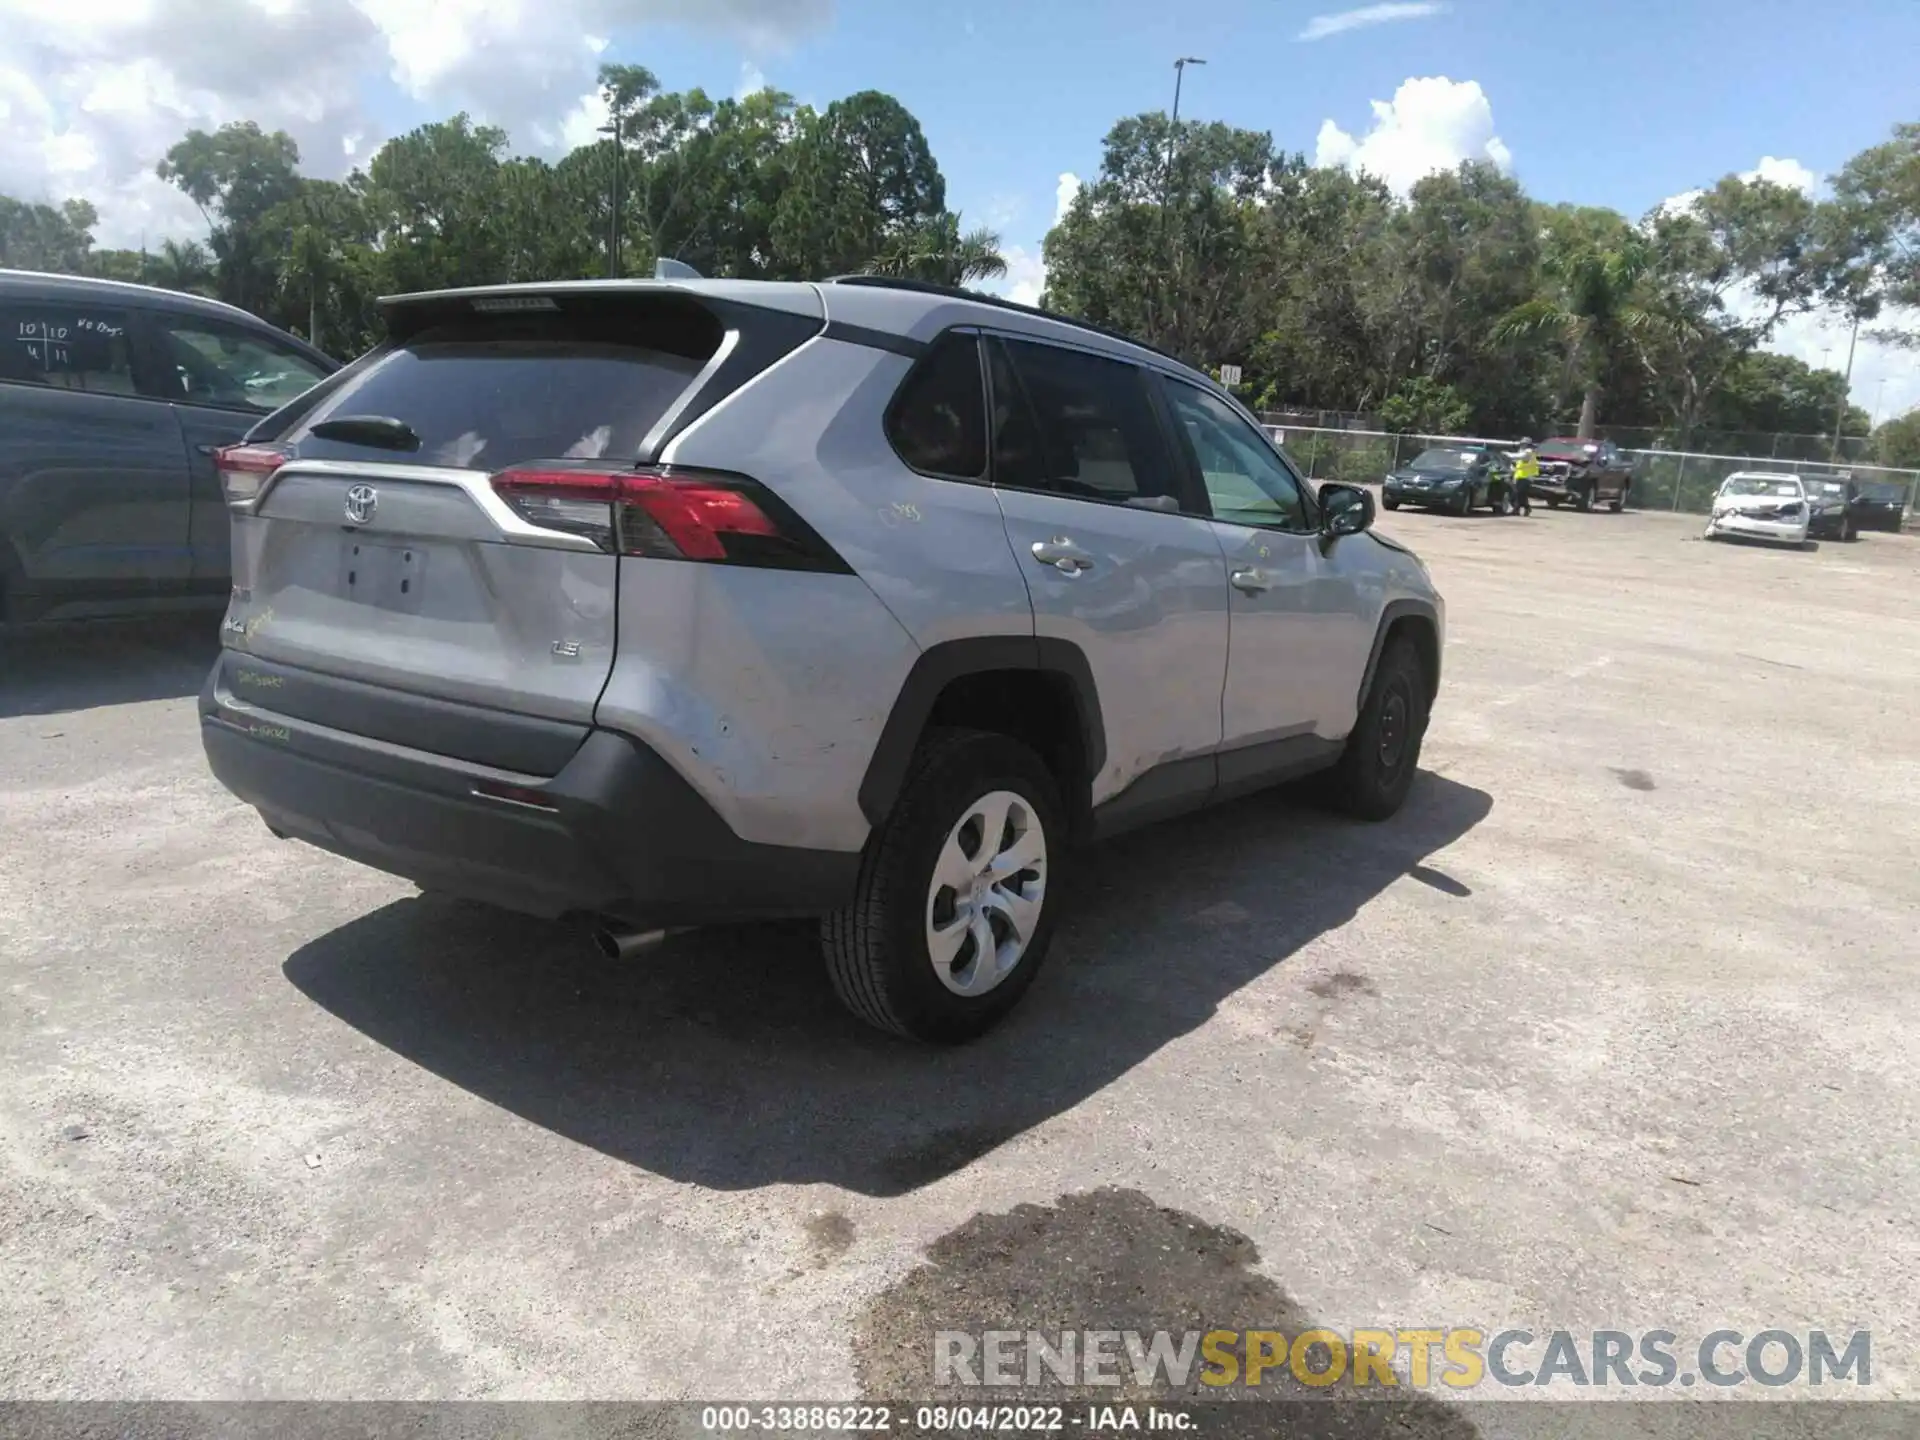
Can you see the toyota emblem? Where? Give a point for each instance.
(361, 500)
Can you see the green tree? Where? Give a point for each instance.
(1426, 406)
(1589, 304)
(1767, 393)
(180, 265)
(1331, 313)
(1750, 241)
(1897, 442)
(940, 252)
(1167, 242)
(714, 197)
(46, 237)
(237, 175)
(861, 178)
(432, 200)
(128, 265)
(327, 265)
(1877, 194)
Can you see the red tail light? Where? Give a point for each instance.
(243, 469)
(667, 514)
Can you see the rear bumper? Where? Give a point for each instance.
(617, 832)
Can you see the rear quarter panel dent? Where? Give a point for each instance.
(767, 690)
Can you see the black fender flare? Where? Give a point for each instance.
(1396, 610)
(939, 666)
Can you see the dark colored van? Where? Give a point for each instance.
(113, 398)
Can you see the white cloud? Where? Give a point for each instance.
(752, 80)
(1321, 26)
(1026, 277)
(1790, 173)
(93, 92)
(1063, 195)
(1679, 204)
(580, 125)
(1431, 123)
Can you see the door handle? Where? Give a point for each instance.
(1061, 553)
(1251, 581)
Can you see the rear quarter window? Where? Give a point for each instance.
(937, 422)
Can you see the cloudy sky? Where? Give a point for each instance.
(1628, 103)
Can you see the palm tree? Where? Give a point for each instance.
(937, 251)
(181, 266)
(1594, 309)
(309, 266)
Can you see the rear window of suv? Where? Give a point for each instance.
(489, 392)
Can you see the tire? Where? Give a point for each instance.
(1366, 783)
(1849, 532)
(879, 951)
(1583, 499)
(1619, 502)
(1553, 502)
(1390, 502)
(1464, 504)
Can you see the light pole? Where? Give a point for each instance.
(613, 229)
(1173, 129)
(1166, 184)
(1179, 74)
(1846, 387)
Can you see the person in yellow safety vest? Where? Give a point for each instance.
(1526, 470)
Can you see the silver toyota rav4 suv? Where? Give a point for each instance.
(668, 603)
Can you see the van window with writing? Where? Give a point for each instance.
(67, 347)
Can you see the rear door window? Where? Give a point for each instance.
(1087, 429)
(228, 367)
(491, 392)
(66, 347)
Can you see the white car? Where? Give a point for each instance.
(1761, 506)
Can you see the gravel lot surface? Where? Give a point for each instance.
(1613, 1027)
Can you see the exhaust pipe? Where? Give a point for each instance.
(620, 942)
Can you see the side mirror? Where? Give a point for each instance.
(1344, 510)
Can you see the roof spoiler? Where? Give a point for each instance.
(665, 269)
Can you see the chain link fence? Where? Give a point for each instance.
(1750, 445)
(1681, 480)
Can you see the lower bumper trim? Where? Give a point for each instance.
(627, 837)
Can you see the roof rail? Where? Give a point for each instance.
(956, 292)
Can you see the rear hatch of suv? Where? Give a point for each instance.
(431, 526)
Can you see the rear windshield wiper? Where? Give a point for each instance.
(382, 432)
